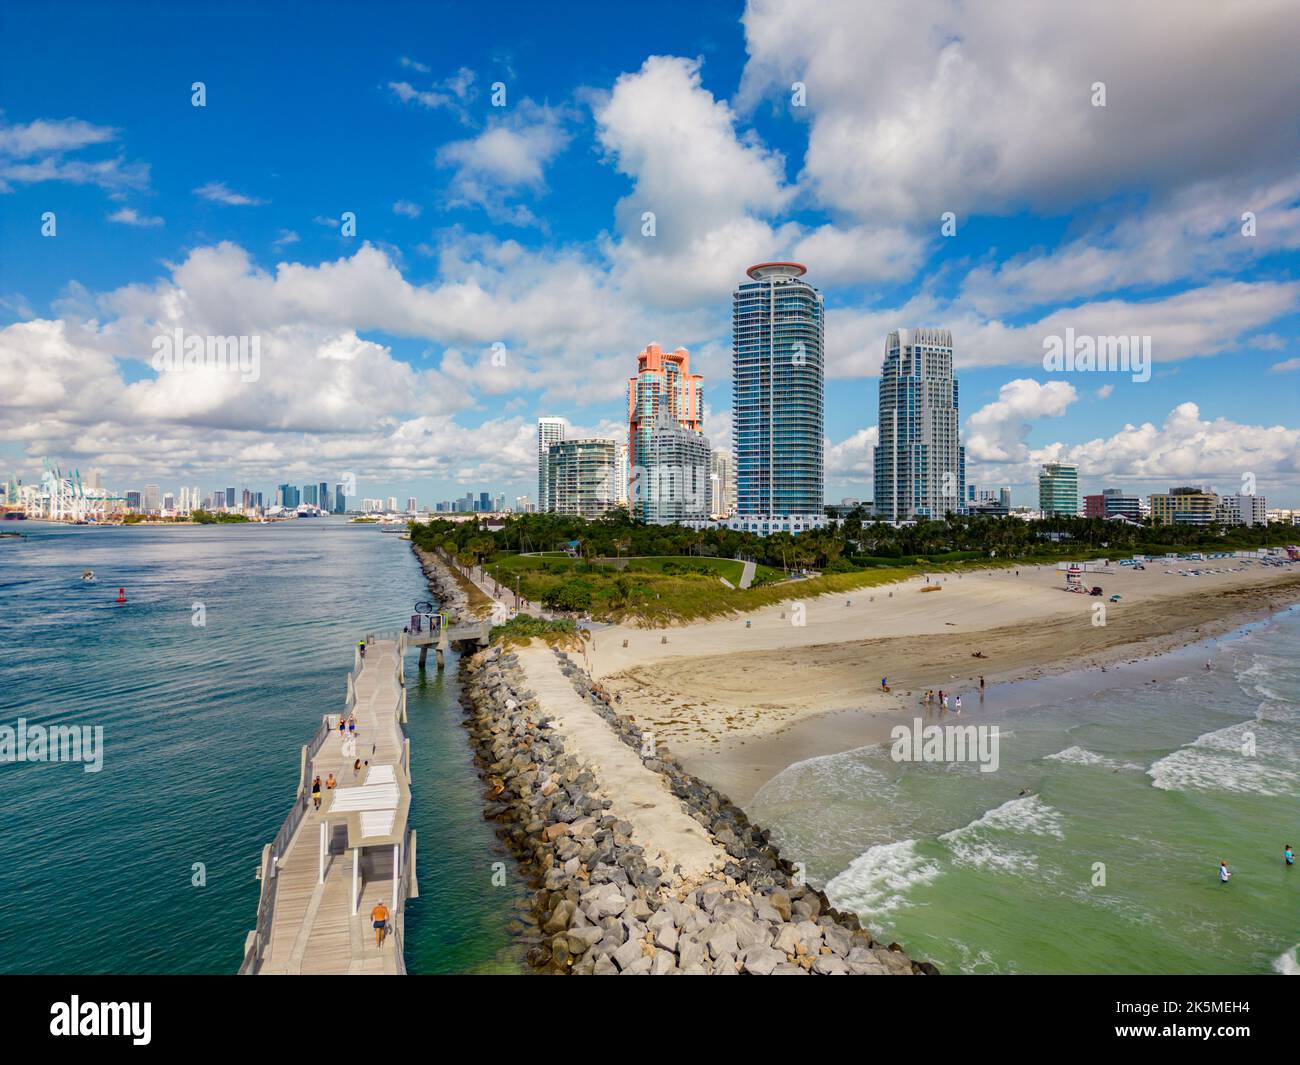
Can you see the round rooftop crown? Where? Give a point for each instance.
(762, 270)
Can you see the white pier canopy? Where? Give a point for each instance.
(375, 814)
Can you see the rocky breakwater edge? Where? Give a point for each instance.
(600, 905)
(451, 598)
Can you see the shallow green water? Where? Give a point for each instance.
(1147, 784)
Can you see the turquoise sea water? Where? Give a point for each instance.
(202, 728)
(1148, 784)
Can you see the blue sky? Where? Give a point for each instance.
(520, 226)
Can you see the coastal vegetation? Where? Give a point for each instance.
(615, 568)
(194, 517)
(207, 517)
(519, 630)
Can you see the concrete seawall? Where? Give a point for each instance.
(638, 867)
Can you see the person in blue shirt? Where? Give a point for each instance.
(1288, 855)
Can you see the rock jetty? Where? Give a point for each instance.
(451, 597)
(619, 888)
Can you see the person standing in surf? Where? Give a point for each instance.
(1224, 875)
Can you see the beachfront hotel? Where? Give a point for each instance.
(1058, 489)
(1112, 503)
(549, 431)
(581, 476)
(778, 400)
(1198, 505)
(920, 465)
(1242, 509)
(672, 483)
(663, 385)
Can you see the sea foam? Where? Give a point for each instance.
(877, 881)
(1083, 756)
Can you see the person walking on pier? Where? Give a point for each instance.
(379, 919)
(331, 783)
(315, 791)
(352, 726)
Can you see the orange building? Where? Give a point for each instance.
(663, 381)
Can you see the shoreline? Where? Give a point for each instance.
(748, 767)
(820, 699)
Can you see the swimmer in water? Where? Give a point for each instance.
(1288, 855)
(1224, 875)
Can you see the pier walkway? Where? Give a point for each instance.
(328, 868)
(440, 638)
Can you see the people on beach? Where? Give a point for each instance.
(315, 791)
(957, 704)
(981, 682)
(1288, 855)
(379, 918)
(331, 783)
(1224, 875)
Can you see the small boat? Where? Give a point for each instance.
(89, 576)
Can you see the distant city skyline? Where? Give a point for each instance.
(467, 268)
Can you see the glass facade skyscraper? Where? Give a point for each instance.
(580, 477)
(549, 431)
(920, 465)
(778, 395)
(1058, 489)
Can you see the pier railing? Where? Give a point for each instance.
(257, 943)
(260, 938)
(407, 887)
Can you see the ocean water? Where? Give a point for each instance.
(202, 728)
(1109, 863)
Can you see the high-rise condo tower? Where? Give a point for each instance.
(778, 399)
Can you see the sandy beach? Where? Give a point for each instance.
(737, 703)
